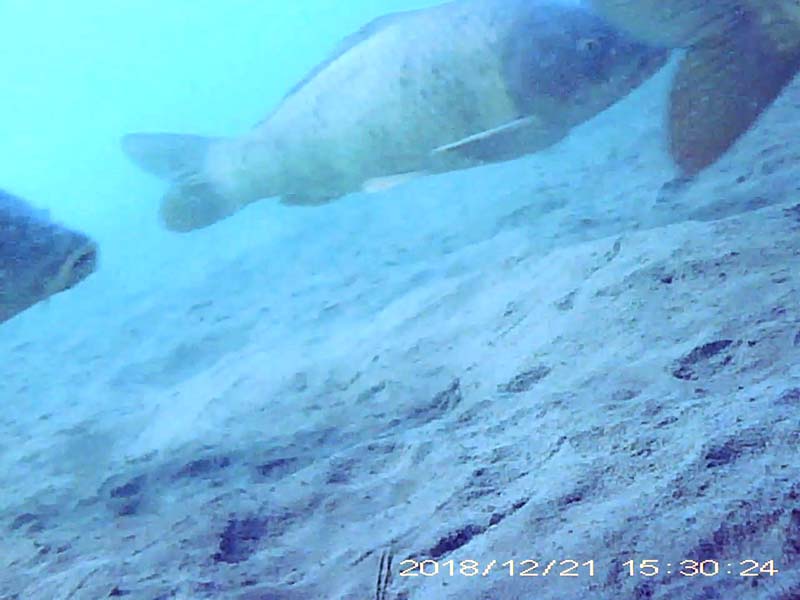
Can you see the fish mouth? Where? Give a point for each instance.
(78, 265)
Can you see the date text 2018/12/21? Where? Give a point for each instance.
(573, 568)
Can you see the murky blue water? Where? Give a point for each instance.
(567, 357)
(78, 76)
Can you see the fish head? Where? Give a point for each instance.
(38, 258)
(780, 19)
(571, 64)
(606, 64)
(686, 23)
(672, 23)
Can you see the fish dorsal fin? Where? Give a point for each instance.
(721, 88)
(192, 201)
(170, 156)
(351, 41)
(505, 141)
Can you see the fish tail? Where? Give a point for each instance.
(721, 88)
(193, 201)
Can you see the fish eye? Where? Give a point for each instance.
(592, 45)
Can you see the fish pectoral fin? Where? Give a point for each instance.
(721, 88)
(526, 134)
(170, 156)
(383, 184)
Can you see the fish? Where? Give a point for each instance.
(38, 257)
(739, 56)
(414, 93)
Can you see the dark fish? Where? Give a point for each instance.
(740, 54)
(38, 258)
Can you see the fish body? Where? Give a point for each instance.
(38, 258)
(740, 54)
(424, 91)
